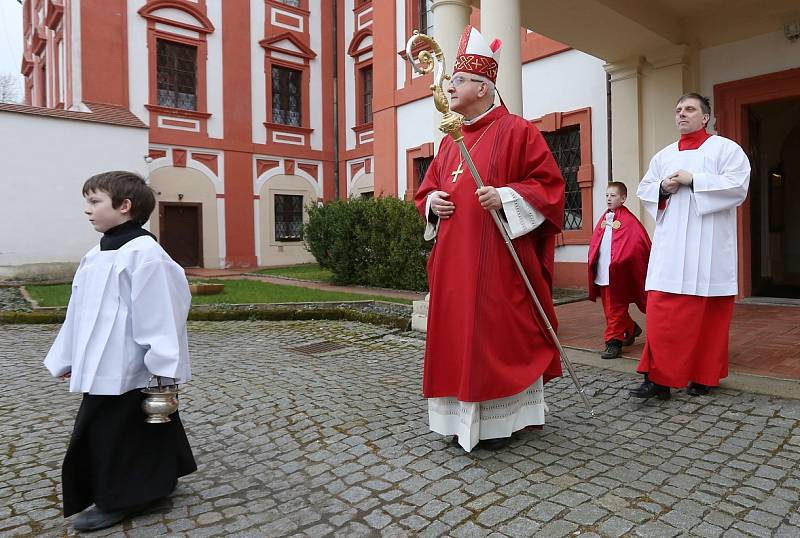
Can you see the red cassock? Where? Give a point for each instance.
(630, 251)
(687, 339)
(484, 339)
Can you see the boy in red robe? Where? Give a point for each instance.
(618, 255)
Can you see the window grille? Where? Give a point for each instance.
(177, 75)
(293, 3)
(421, 165)
(286, 96)
(366, 95)
(566, 147)
(288, 217)
(425, 8)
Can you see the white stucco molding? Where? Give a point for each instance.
(352, 178)
(624, 69)
(217, 181)
(280, 170)
(669, 56)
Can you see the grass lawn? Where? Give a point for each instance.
(306, 271)
(235, 292)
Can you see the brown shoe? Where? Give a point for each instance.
(696, 389)
(612, 351)
(631, 338)
(495, 444)
(648, 389)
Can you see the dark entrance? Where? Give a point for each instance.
(775, 198)
(180, 227)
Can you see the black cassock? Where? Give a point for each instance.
(118, 461)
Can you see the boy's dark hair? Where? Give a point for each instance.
(621, 187)
(119, 185)
(705, 102)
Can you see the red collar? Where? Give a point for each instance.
(693, 140)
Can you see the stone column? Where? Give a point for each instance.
(449, 19)
(626, 128)
(667, 76)
(501, 19)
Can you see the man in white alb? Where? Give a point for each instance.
(692, 189)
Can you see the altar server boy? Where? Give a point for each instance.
(126, 321)
(618, 255)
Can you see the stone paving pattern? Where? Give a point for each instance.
(337, 444)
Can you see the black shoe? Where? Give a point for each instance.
(495, 444)
(648, 389)
(93, 519)
(630, 338)
(696, 389)
(612, 351)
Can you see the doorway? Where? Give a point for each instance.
(180, 227)
(774, 139)
(768, 101)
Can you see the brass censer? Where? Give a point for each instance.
(160, 402)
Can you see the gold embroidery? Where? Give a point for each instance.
(616, 224)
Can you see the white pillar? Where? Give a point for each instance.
(501, 19)
(450, 17)
(626, 128)
(667, 76)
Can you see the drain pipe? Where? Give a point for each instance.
(335, 100)
(608, 126)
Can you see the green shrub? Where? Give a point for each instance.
(369, 241)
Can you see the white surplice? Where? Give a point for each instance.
(603, 271)
(126, 320)
(694, 246)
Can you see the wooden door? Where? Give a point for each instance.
(181, 230)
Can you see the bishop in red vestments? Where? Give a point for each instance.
(487, 353)
(618, 254)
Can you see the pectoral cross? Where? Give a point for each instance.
(457, 172)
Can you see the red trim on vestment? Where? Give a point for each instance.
(687, 339)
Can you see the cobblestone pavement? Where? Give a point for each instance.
(336, 443)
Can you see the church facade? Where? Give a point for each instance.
(257, 108)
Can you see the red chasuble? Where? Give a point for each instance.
(630, 251)
(484, 339)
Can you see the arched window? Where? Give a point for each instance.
(177, 47)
